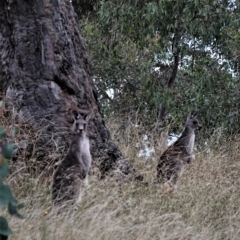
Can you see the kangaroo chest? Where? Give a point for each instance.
(189, 144)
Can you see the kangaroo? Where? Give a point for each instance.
(71, 176)
(173, 161)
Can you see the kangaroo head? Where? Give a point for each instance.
(80, 123)
(192, 121)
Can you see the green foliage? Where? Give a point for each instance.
(4, 169)
(5, 231)
(13, 209)
(2, 133)
(6, 196)
(213, 94)
(7, 150)
(128, 39)
(6, 199)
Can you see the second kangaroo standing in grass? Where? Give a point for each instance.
(71, 175)
(172, 162)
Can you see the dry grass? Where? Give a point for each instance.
(206, 204)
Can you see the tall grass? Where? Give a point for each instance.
(206, 204)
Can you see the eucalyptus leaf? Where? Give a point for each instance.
(2, 133)
(4, 228)
(13, 210)
(6, 195)
(7, 150)
(4, 170)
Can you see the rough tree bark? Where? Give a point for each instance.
(47, 74)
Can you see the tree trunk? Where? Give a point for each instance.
(47, 74)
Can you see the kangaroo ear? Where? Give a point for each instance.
(189, 115)
(193, 113)
(75, 115)
(88, 117)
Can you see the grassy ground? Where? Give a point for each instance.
(206, 204)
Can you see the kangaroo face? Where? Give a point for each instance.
(80, 124)
(193, 123)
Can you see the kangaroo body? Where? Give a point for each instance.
(173, 161)
(71, 175)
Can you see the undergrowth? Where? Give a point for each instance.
(206, 204)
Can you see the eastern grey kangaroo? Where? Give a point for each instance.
(172, 162)
(71, 176)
